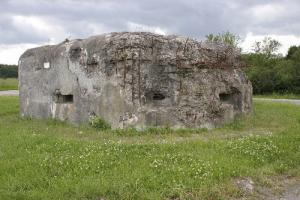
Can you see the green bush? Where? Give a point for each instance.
(99, 123)
(225, 37)
(274, 73)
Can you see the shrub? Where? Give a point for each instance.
(99, 123)
(274, 73)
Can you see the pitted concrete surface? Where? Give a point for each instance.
(9, 93)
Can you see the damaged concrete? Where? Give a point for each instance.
(135, 79)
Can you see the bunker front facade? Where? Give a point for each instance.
(135, 80)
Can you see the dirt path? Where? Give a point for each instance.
(291, 193)
(293, 101)
(9, 93)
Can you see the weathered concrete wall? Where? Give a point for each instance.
(135, 79)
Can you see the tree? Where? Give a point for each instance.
(226, 37)
(292, 51)
(271, 73)
(267, 46)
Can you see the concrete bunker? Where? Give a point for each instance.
(135, 79)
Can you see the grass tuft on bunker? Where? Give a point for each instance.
(48, 159)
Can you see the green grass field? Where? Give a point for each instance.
(279, 96)
(8, 84)
(54, 160)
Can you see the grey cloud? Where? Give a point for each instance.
(194, 18)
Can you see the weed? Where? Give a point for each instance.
(99, 123)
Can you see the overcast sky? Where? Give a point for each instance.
(29, 23)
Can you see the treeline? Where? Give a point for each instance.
(268, 71)
(8, 71)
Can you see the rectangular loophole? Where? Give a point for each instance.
(234, 99)
(59, 98)
(225, 97)
(158, 96)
